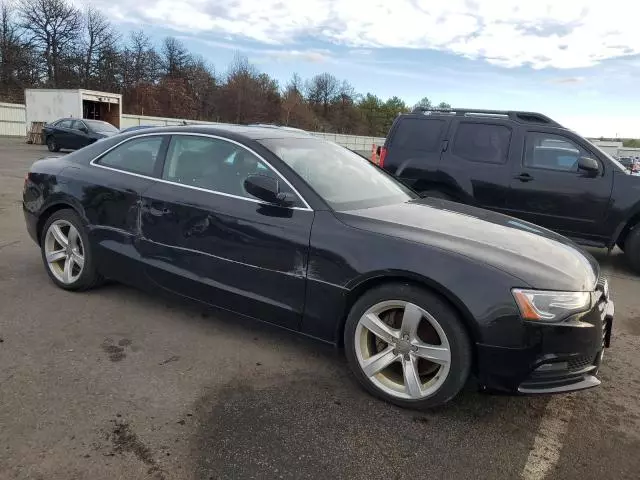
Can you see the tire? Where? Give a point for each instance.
(67, 256)
(632, 248)
(52, 145)
(437, 383)
(436, 194)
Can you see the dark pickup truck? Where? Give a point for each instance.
(522, 164)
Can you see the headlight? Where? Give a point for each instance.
(547, 306)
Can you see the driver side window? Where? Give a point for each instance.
(552, 152)
(214, 164)
(77, 125)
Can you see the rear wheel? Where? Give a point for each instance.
(632, 248)
(52, 145)
(407, 346)
(66, 252)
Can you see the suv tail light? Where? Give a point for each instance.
(383, 155)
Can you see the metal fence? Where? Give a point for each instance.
(13, 123)
(12, 120)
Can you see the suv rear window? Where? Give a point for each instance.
(480, 142)
(418, 134)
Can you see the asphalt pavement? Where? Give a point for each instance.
(119, 384)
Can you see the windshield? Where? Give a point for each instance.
(99, 126)
(344, 179)
(610, 158)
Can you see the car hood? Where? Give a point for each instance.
(540, 258)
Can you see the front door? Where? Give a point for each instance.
(550, 190)
(63, 134)
(80, 134)
(205, 237)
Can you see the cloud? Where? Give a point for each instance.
(312, 56)
(508, 33)
(568, 80)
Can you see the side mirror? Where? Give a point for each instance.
(588, 164)
(84, 129)
(267, 189)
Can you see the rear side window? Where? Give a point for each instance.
(418, 134)
(136, 156)
(63, 124)
(479, 142)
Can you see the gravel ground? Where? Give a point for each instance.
(118, 384)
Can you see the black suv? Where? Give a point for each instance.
(520, 163)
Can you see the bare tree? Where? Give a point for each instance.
(14, 56)
(203, 86)
(98, 39)
(322, 90)
(175, 57)
(140, 72)
(53, 27)
(295, 84)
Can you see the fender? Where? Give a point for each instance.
(632, 217)
(364, 282)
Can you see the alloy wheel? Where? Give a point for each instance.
(64, 251)
(402, 350)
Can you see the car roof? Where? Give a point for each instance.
(516, 116)
(247, 131)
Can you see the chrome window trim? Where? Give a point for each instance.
(94, 163)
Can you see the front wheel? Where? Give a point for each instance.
(407, 346)
(66, 252)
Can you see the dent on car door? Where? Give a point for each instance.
(548, 187)
(205, 237)
(110, 195)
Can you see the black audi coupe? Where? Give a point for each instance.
(423, 294)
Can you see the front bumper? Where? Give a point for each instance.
(560, 357)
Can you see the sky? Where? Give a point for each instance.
(577, 61)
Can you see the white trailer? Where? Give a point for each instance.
(47, 105)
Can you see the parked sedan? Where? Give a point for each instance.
(280, 226)
(73, 133)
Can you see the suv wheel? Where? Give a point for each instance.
(405, 345)
(632, 248)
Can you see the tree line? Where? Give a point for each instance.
(53, 44)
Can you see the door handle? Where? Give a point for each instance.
(524, 177)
